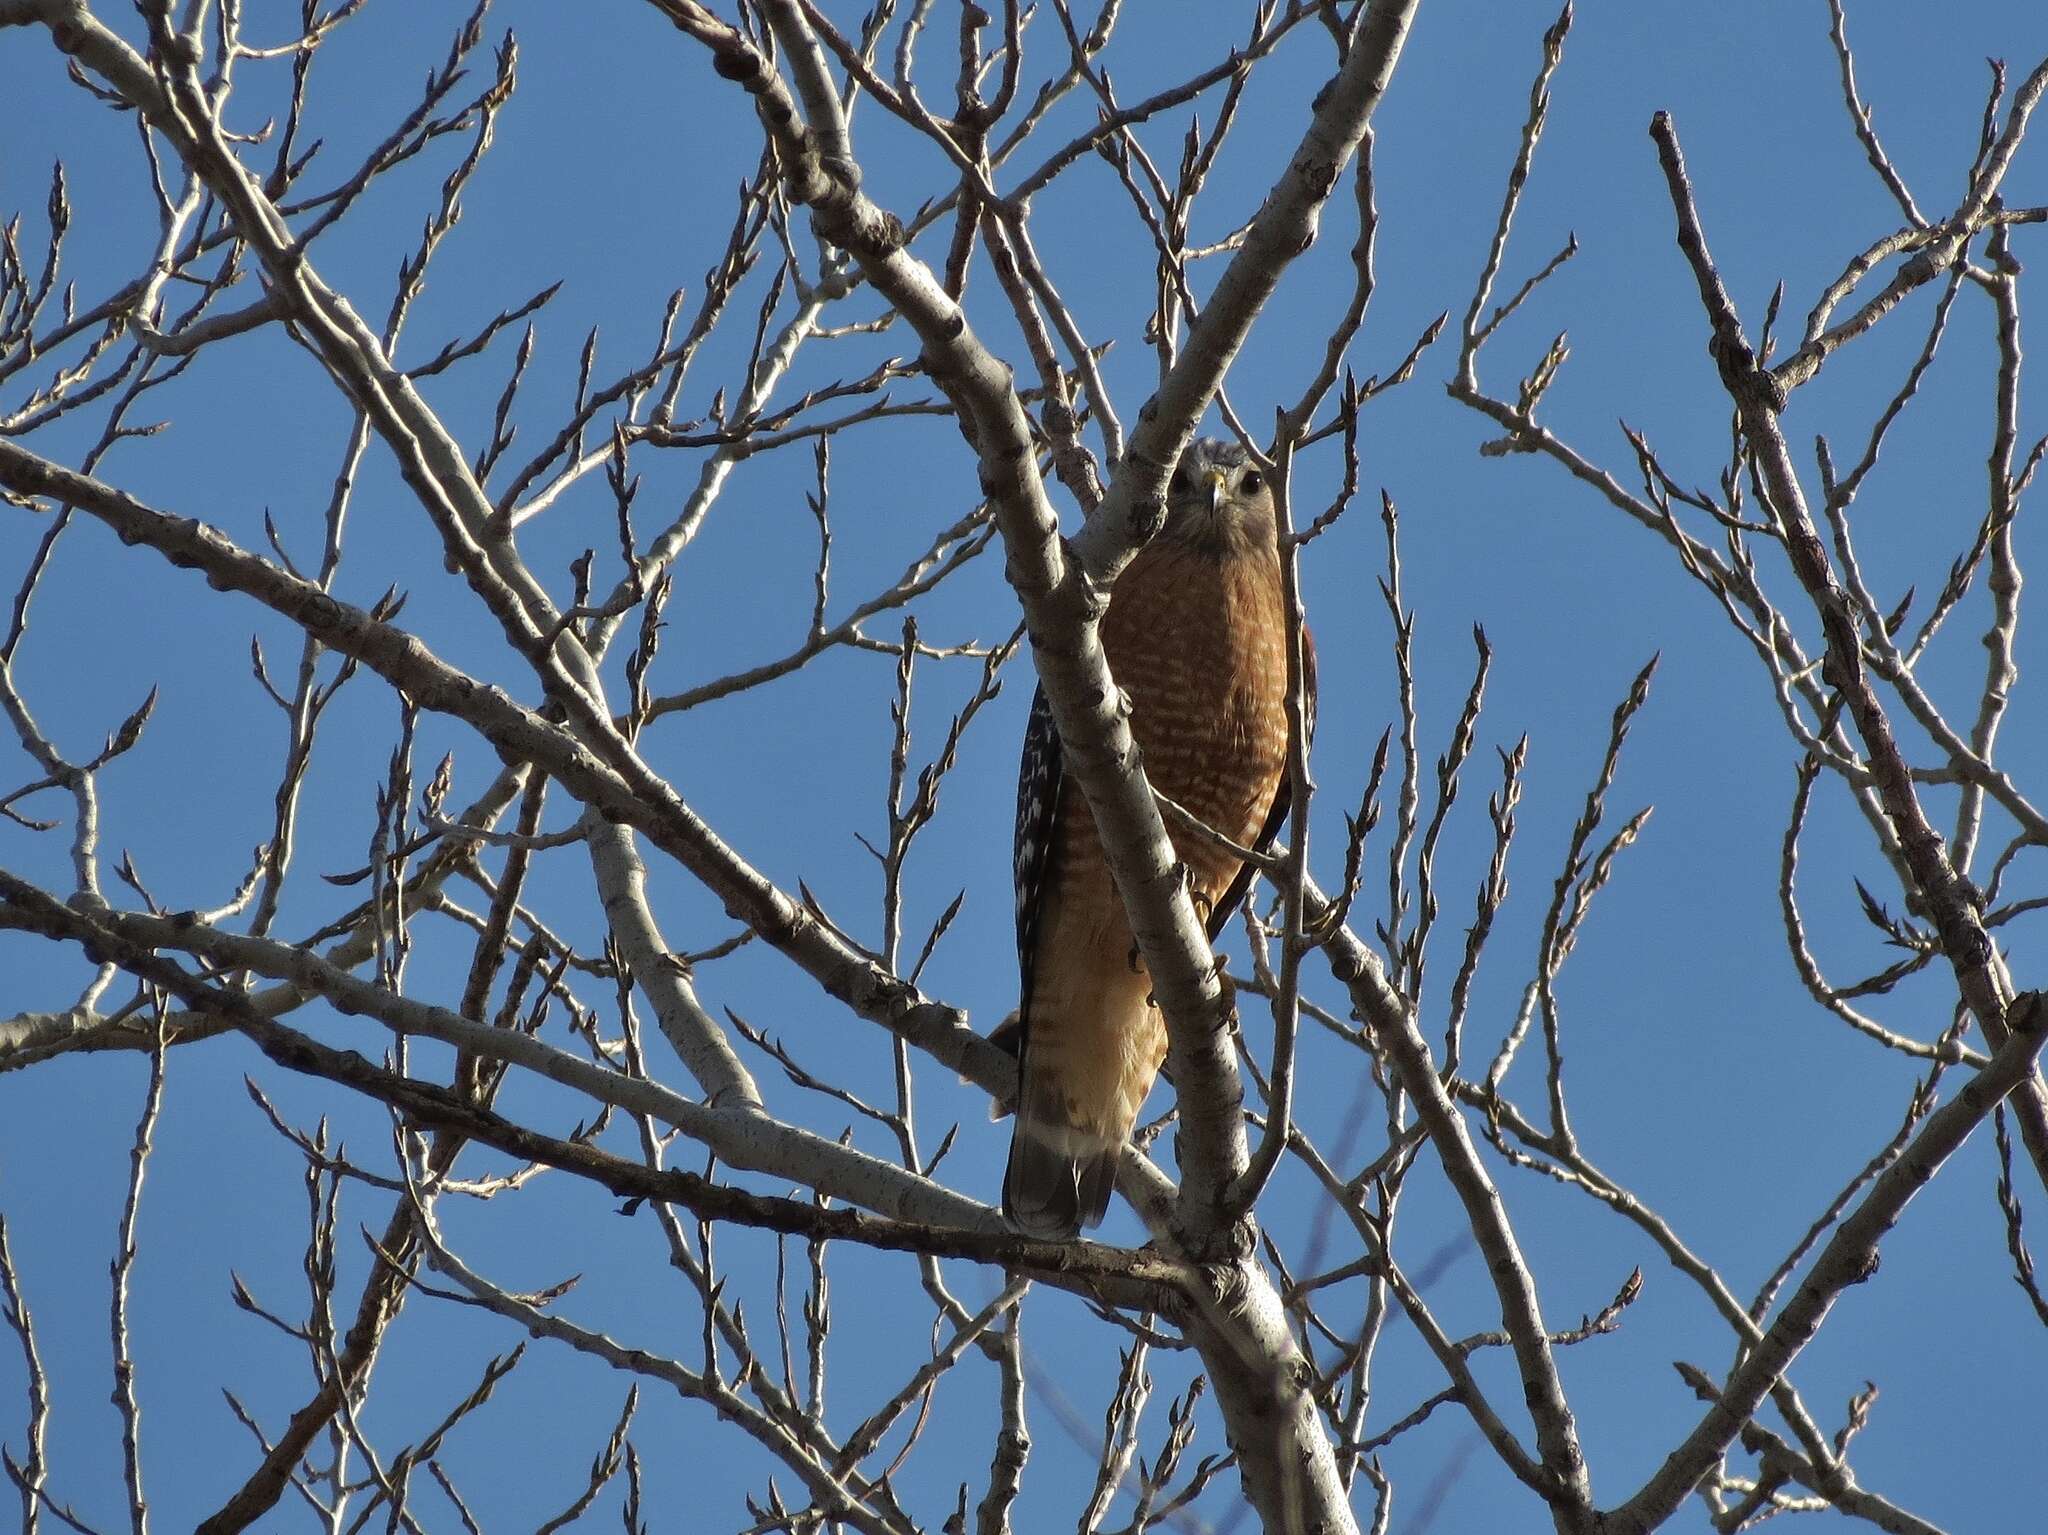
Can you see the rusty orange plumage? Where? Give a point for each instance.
(1196, 636)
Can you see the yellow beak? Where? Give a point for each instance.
(1215, 479)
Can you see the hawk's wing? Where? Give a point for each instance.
(1039, 779)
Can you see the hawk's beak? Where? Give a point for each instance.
(1215, 479)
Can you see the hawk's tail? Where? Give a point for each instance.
(1060, 1174)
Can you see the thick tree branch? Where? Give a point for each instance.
(1849, 1258)
(1935, 884)
(642, 800)
(1394, 1028)
(1138, 1279)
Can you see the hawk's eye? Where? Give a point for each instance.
(1179, 483)
(1251, 482)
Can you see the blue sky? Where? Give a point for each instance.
(1700, 1074)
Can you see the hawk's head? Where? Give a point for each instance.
(1218, 500)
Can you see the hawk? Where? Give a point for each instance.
(1196, 635)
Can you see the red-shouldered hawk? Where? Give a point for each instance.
(1196, 635)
